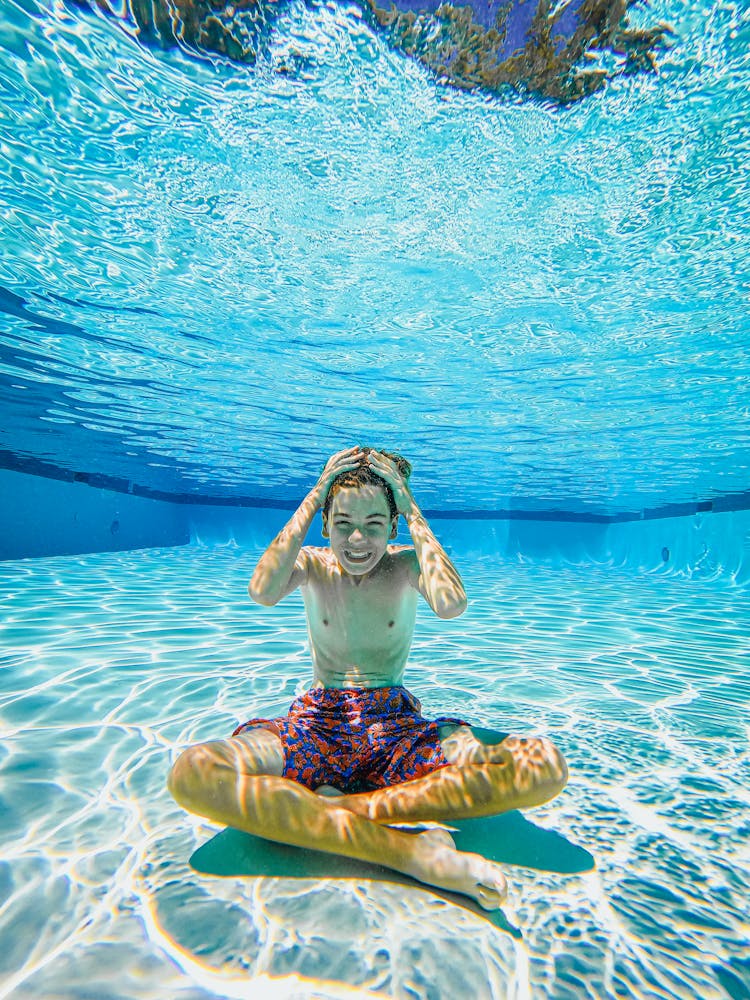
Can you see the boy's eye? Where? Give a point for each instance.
(371, 526)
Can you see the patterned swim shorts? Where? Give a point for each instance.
(356, 739)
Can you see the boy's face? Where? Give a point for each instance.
(359, 527)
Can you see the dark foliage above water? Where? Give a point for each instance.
(535, 46)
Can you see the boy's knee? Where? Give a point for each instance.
(558, 765)
(541, 760)
(188, 773)
(553, 770)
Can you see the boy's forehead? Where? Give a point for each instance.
(368, 499)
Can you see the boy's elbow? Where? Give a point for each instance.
(259, 595)
(451, 609)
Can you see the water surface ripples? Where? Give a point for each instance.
(262, 265)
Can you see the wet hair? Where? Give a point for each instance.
(363, 475)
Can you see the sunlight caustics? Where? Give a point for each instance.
(622, 671)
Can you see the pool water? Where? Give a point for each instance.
(114, 662)
(213, 275)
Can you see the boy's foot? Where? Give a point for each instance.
(441, 865)
(438, 863)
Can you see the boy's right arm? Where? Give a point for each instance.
(283, 567)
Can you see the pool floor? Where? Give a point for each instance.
(113, 663)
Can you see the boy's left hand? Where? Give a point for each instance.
(388, 470)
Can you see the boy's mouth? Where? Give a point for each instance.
(357, 557)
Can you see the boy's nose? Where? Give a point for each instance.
(356, 535)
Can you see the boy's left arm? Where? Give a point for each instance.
(438, 579)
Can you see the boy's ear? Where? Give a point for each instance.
(324, 531)
(394, 527)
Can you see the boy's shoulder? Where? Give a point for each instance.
(320, 554)
(403, 553)
(404, 557)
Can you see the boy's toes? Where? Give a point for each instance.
(438, 838)
(491, 888)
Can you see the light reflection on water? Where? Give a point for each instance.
(545, 305)
(114, 662)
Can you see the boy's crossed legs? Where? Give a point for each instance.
(238, 782)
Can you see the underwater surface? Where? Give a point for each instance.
(112, 663)
(215, 274)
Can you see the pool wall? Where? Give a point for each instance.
(49, 517)
(703, 544)
(45, 517)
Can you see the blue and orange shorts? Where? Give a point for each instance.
(356, 739)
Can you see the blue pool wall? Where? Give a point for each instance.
(704, 545)
(48, 517)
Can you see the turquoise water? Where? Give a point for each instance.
(221, 274)
(114, 662)
(214, 275)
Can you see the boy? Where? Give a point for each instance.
(354, 753)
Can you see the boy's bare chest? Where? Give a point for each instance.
(379, 605)
(360, 640)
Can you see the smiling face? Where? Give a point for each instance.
(359, 525)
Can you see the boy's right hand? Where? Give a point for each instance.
(342, 461)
